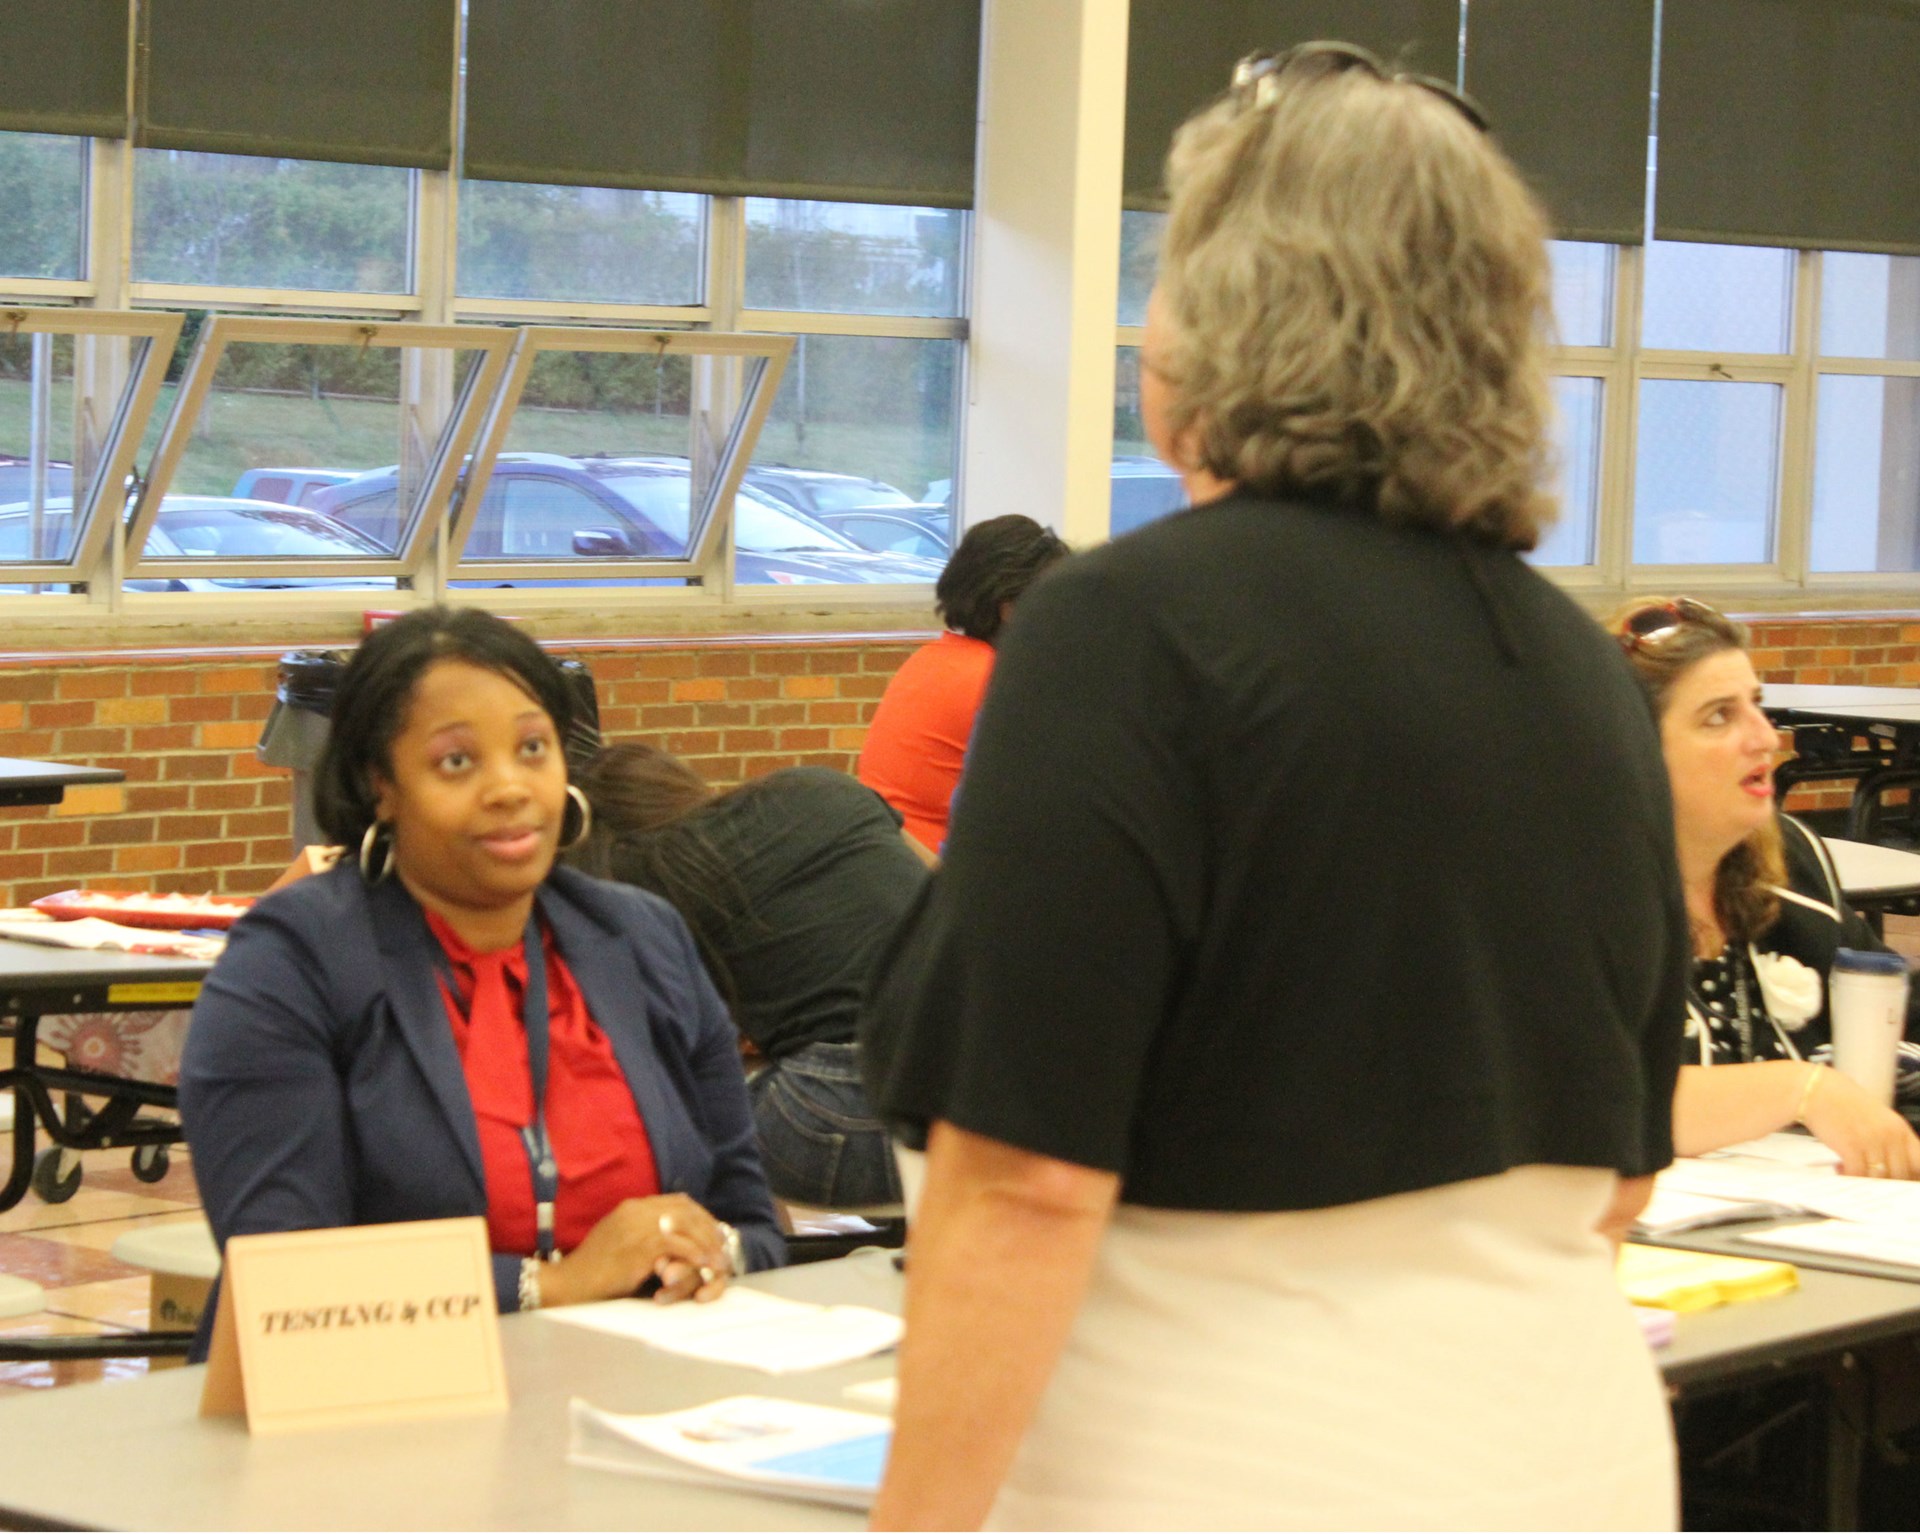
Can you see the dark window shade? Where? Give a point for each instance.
(1790, 122)
(1181, 53)
(365, 81)
(63, 67)
(843, 100)
(1568, 85)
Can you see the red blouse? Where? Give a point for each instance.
(599, 1141)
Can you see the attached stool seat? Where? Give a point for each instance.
(184, 1261)
(20, 1297)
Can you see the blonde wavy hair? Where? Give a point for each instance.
(1356, 302)
(1746, 885)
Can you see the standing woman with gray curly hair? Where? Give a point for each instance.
(1298, 1010)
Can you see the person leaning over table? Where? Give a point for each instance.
(1764, 906)
(1300, 998)
(917, 743)
(791, 884)
(371, 1045)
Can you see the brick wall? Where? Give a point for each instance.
(199, 812)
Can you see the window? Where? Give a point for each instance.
(207, 220)
(43, 187)
(1706, 473)
(583, 244)
(853, 258)
(1866, 484)
(866, 416)
(859, 420)
(1717, 298)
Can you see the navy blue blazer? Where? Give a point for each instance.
(321, 1086)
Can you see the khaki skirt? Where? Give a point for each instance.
(1459, 1357)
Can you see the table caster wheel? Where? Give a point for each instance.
(54, 1183)
(151, 1162)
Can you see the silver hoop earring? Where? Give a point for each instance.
(575, 800)
(376, 856)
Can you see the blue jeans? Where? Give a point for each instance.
(820, 1141)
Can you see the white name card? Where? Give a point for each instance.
(372, 1323)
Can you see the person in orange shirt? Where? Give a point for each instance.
(919, 734)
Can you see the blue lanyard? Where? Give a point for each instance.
(534, 1140)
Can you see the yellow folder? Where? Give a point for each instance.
(1668, 1279)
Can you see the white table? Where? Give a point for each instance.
(1826, 723)
(134, 1454)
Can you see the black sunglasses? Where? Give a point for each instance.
(1257, 77)
(1653, 626)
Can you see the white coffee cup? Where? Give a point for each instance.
(1867, 1000)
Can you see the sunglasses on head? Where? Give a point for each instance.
(1257, 77)
(1652, 626)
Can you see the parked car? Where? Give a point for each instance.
(290, 487)
(16, 482)
(1144, 490)
(544, 506)
(215, 527)
(818, 491)
(910, 529)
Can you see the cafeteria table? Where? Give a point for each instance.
(1876, 879)
(36, 982)
(25, 782)
(134, 1454)
(1866, 736)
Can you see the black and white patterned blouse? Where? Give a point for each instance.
(1725, 994)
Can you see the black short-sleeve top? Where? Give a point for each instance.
(818, 876)
(1301, 860)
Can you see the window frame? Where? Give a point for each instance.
(224, 330)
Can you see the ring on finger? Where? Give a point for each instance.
(707, 1276)
(1876, 1169)
(666, 1225)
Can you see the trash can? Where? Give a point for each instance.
(296, 730)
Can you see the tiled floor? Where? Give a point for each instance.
(65, 1249)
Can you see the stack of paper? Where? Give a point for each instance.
(786, 1448)
(1896, 1244)
(744, 1326)
(1667, 1279)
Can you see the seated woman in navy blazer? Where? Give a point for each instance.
(374, 1045)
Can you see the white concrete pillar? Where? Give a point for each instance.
(1046, 261)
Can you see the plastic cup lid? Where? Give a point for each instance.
(1861, 961)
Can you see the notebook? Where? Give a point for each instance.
(753, 1443)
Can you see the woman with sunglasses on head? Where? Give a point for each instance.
(1764, 906)
(1296, 1010)
(448, 1024)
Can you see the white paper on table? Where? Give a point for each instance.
(1871, 1199)
(883, 1393)
(92, 934)
(1783, 1147)
(1898, 1245)
(1670, 1211)
(748, 1327)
